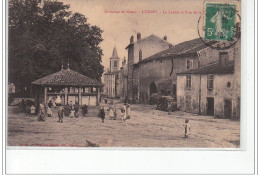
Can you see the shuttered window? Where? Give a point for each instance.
(210, 82)
(188, 81)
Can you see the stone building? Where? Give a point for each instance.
(139, 50)
(214, 87)
(111, 78)
(157, 73)
(71, 86)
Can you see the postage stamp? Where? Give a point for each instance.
(220, 21)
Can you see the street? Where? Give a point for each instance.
(146, 128)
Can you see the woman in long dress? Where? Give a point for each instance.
(49, 110)
(111, 112)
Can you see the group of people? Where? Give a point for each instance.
(112, 112)
(70, 110)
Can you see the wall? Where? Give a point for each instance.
(188, 98)
(237, 80)
(159, 72)
(149, 46)
(220, 92)
(109, 87)
(209, 55)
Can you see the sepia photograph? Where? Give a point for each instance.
(124, 74)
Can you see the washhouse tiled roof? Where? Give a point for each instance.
(211, 69)
(67, 77)
(184, 48)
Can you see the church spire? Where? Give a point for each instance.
(114, 54)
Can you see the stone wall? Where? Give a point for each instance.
(189, 100)
(162, 72)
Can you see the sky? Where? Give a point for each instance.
(118, 27)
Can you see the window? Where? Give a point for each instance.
(228, 84)
(188, 81)
(210, 81)
(189, 64)
(115, 64)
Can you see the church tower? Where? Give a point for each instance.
(114, 61)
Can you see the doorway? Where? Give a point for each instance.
(153, 88)
(210, 108)
(227, 109)
(174, 89)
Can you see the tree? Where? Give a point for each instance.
(42, 34)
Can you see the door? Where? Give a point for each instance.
(227, 109)
(210, 108)
(174, 93)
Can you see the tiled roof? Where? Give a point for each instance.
(67, 77)
(211, 69)
(184, 48)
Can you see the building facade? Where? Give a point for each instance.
(137, 51)
(112, 87)
(214, 88)
(157, 74)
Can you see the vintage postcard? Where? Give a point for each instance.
(133, 73)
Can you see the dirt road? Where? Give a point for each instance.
(146, 128)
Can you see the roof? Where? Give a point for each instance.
(151, 37)
(214, 68)
(190, 47)
(112, 73)
(114, 54)
(67, 77)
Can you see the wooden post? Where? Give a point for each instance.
(98, 95)
(66, 95)
(45, 95)
(80, 98)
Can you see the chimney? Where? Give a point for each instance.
(138, 36)
(223, 59)
(131, 39)
(165, 38)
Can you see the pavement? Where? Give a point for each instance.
(146, 128)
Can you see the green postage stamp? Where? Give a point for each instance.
(220, 21)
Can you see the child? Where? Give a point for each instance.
(115, 114)
(49, 110)
(67, 110)
(187, 128)
(111, 112)
(76, 107)
(41, 113)
(72, 112)
(85, 110)
(123, 112)
(32, 109)
(128, 109)
(102, 113)
(60, 114)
